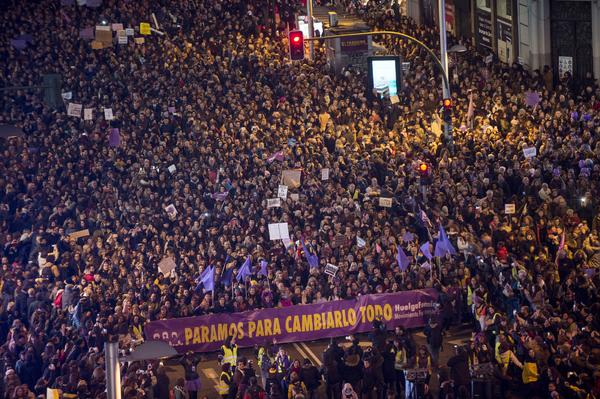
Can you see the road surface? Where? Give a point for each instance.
(210, 370)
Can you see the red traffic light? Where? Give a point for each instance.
(447, 103)
(296, 39)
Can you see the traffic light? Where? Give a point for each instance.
(296, 39)
(424, 174)
(447, 110)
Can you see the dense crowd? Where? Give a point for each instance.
(216, 97)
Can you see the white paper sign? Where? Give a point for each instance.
(360, 242)
(565, 64)
(74, 110)
(394, 99)
(129, 32)
(278, 231)
(273, 202)
(331, 269)
(325, 174)
(171, 210)
(87, 114)
(509, 209)
(108, 114)
(117, 27)
(122, 39)
(294, 196)
(166, 265)
(385, 202)
(529, 152)
(489, 59)
(282, 192)
(67, 95)
(172, 169)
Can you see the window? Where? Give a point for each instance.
(504, 9)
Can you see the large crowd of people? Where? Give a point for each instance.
(216, 97)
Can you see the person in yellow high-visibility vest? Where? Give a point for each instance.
(229, 352)
(531, 374)
(224, 381)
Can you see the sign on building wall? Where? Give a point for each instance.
(483, 32)
(565, 64)
(450, 18)
(505, 41)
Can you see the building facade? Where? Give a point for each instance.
(563, 34)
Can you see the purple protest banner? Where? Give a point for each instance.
(114, 137)
(409, 309)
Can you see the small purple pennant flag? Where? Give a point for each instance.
(114, 137)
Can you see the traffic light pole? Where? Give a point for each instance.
(311, 28)
(446, 85)
(444, 62)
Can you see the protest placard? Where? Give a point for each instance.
(144, 28)
(489, 59)
(67, 95)
(139, 40)
(52, 393)
(129, 32)
(172, 169)
(116, 27)
(295, 196)
(282, 192)
(88, 114)
(171, 210)
(291, 177)
(108, 114)
(278, 231)
(121, 37)
(103, 34)
(166, 265)
(87, 33)
(338, 240)
(325, 174)
(394, 99)
(331, 270)
(509, 209)
(74, 110)
(114, 137)
(273, 202)
(529, 152)
(79, 234)
(385, 202)
(360, 242)
(97, 45)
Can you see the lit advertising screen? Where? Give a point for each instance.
(303, 26)
(385, 76)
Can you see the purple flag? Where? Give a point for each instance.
(207, 278)
(220, 196)
(425, 250)
(244, 270)
(532, 98)
(443, 245)
(313, 260)
(27, 37)
(114, 137)
(19, 44)
(87, 33)
(263, 268)
(408, 236)
(278, 156)
(402, 259)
